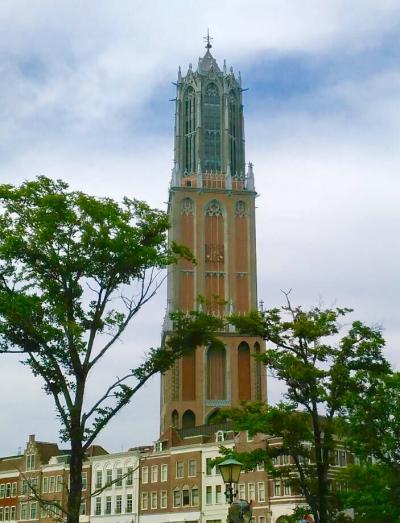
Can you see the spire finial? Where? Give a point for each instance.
(208, 39)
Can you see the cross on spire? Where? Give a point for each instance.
(208, 39)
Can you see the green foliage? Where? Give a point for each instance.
(322, 373)
(74, 271)
(372, 491)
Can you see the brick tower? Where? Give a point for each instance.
(212, 211)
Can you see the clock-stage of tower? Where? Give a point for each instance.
(212, 211)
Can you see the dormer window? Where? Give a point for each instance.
(220, 436)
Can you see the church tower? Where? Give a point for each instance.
(212, 211)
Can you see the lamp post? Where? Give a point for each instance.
(239, 511)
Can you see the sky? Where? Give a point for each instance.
(85, 96)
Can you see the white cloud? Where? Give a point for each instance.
(84, 97)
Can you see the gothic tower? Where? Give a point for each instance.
(212, 211)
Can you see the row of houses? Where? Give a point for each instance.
(171, 481)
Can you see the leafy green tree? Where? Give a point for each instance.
(320, 371)
(372, 493)
(74, 272)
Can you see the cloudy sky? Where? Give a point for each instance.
(84, 96)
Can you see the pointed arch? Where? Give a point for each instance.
(214, 252)
(233, 133)
(216, 373)
(188, 419)
(244, 375)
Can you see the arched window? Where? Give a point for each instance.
(188, 419)
(214, 256)
(212, 128)
(216, 370)
(219, 436)
(233, 133)
(175, 418)
(189, 125)
(244, 377)
(257, 364)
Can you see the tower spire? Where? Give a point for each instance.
(208, 39)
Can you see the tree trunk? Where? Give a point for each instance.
(75, 475)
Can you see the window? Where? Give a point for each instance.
(260, 466)
(84, 480)
(99, 478)
(242, 491)
(1, 514)
(261, 519)
(24, 487)
(275, 460)
(208, 495)
(108, 505)
(163, 499)
(179, 469)
(220, 436)
(118, 504)
(212, 128)
(145, 501)
(6, 513)
(129, 504)
(82, 508)
(251, 492)
(145, 475)
(118, 482)
(195, 496)
(286, 459)
(98, 506)
(277, 488)
(208, 467)
(52, 484)
(8, 490)
(2, 490)
(261, 492)
(154, 473)
(45, 484)
(24, 510)
(218, 494)
(287, 488)
(13, 513)
(342, 458)
(154, 500)
(33, 511)
(177, 498)
(109, 477)
(164, 472)
(129, 477)
(30, 461)
(33, 484)
(59, 483)
(185, 496)
(192, 468)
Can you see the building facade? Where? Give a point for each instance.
(212, 211)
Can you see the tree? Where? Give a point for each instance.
(372, 493)
(74, 271)
(372, 429)
(320, 372)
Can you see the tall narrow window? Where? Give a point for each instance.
(257, 364)
(175, 418)
(244, 371)
(190, 130)
(212, 129)
(216, 370)
(233, 133)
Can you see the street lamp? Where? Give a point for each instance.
(230, 471)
